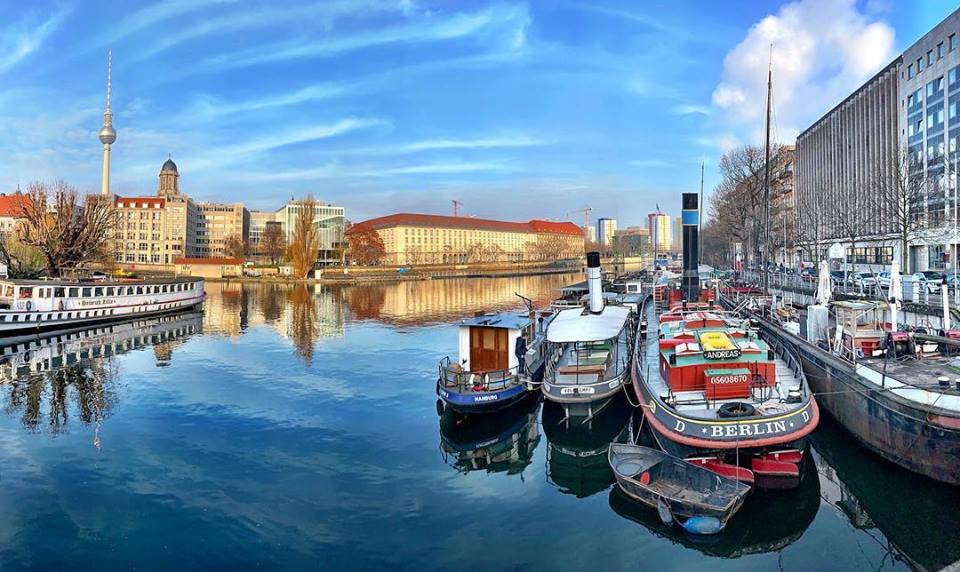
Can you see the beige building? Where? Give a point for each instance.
(157, 230)
(258, 224)
(209, 267)
(412, 239)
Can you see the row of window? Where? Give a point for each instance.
(870, 255)
(933, 55)
(98, 291)
(50, 316)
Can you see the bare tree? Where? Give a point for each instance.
(235, 247)
(273, 243)
(305, 245)
(66, 233)
(902, 191)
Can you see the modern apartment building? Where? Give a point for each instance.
(411, 239)
(660, 229)
(907, 114)
(606, 229)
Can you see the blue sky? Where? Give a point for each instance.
(519, 110)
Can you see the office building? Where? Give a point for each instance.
(411, 239)
(911, 104)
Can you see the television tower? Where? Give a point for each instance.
(107, 133)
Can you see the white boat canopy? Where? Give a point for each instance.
(576, 325)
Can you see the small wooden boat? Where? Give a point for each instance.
(695, 497)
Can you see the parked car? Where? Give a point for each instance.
(952, 280)
(929, 280)
(883, 279)
(838, 277)
(864, 280)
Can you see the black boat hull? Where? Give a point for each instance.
(892, 427)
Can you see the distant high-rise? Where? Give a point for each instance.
(591, 233)
(606, 228)
(660, 226)
(107, 133)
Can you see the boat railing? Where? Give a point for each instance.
(453, 376)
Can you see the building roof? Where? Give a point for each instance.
(169, 167)
(130, 202)
(428, 220)
(214, 261)
(12, 205)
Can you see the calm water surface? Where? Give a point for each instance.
(297, 428)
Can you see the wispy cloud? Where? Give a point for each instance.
(238, 152)
(690, 109)
(322, 14)
(25, 37)
(500, 142)
(429, 29)
(152, 15)
(339, 171)
(207, 106)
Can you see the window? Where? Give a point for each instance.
(953, 42)
(940, 51)
(929, 58)
(919, 65)
(73, 292)
(109, 290)
(98, 291)
(85, 292)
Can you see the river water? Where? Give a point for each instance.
(297, 428)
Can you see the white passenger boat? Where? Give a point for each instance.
(33, 305)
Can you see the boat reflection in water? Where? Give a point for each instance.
(918, 517)
(577, 452)
(499, 442)
(769, 520)
(50, 371)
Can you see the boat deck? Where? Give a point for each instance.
(695, 405)
(595, 363)
(916, 380)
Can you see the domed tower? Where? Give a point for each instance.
(107, 133)
(169, 178)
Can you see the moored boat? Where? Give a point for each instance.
(897, 392)
(490, 374)
(715, 390)
(37, 305)
(698, 499)
(589, 350)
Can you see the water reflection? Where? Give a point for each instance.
(501, 442)
(916, 517)
(577, 452)
(49, 380)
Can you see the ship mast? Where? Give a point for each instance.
(766, 185)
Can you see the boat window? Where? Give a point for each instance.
(59, 316)
(58, 292)
(8, 292)
(16, 318)
(26, 292)
(3, 318)
(109, 290)
(139, 289)
(26, 318)
(73, 292)
(85, 292)
(98, 291)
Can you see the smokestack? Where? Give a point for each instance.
(593, 282)
(691, 246)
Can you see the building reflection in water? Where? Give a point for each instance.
(48, 380)
(418, 302)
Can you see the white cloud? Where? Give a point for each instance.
(822, 51)
(25, 37)
(151, 15)
(690, 109)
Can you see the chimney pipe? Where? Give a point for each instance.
(691, 247)
(594, 283)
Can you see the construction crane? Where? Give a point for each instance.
(586, 220)
(456, 207)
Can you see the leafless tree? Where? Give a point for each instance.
(65, 232)
(305, 243)
(273, 243)
(902, 190)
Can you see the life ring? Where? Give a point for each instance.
(29, 305)
(736, 409)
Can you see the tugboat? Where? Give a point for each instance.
(714, 390)
(589, 351)
(491, 374)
